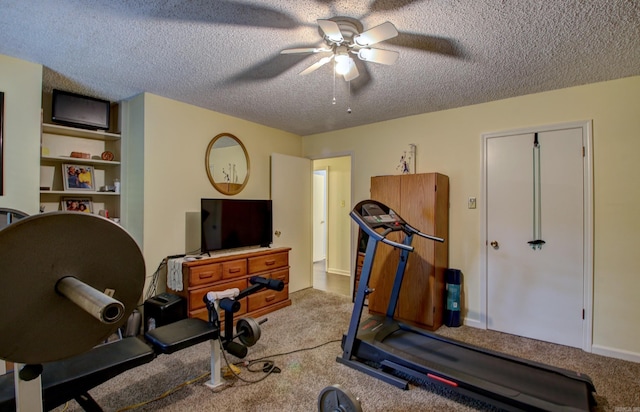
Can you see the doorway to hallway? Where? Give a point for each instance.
(330, 282)
(332, 224)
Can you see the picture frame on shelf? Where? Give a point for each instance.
(78, 177)
(77, 204)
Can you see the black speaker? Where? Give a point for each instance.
(163, 309)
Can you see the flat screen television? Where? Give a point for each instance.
(235, 223)
(76, 110)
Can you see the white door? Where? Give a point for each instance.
(291, 195)
(536, 292)
(319, 215)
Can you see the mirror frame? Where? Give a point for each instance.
(226, 188)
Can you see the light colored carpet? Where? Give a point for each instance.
(320, 318)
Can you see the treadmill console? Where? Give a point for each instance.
(375, 216)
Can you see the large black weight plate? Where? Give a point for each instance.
(336, 399)
(38, 324)
(249, 331)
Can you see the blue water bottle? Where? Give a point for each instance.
(453, 279)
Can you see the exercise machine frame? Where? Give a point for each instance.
(72, 378)
(395, 352)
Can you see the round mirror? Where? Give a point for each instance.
(227, 164)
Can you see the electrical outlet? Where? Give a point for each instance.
(472, 203)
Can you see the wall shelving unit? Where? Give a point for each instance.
(57, 144)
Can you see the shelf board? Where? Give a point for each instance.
(78, 193)
(69, 159)
(75, 132)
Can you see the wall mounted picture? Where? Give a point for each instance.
(78, 177)
(72, 204)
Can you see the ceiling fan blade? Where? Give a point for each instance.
(376, 34)
(316, 65)
(352, 73)
(267, 69)
(432, 44)
(305, 50)
(225, 12)
(331, 30)
(389, 5)
(378, 56)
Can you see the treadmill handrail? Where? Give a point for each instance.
(375, 235)
(424, 235)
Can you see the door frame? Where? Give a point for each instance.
(353, 233)
(325, 172)
(587, 140)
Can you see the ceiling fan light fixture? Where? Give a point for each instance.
(343, 64)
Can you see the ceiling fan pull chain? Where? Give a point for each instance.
(349, 99)
(334, 82)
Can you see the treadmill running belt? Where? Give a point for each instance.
(495, 373)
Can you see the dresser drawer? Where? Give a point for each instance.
(203, 313)
(196, 296)
(267, 297)
(282, 275)
(263, 263)
(234, 268)
(201, 275)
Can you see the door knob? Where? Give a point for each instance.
(494, 244)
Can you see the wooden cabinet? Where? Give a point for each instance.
(218, 273)
(58, 142)
(422, 200)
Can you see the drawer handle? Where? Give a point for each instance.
(270, 262)
(234, 270)
(269, 298)
(205, 275)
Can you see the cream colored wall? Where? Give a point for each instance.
(450, 142)
(339, 206)
(176, 136)
(21, 83)
(170, 143)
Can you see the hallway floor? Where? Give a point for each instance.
(330, 282)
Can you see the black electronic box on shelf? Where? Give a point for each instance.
(163, 309)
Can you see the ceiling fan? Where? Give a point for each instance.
(343, 37)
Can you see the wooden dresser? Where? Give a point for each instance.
(218, 273)
(423, 201)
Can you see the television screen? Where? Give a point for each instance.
(235, 223)
(80, 111)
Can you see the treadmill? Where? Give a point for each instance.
(391, 350)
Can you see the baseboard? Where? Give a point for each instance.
(473, 323)
(595, 349)
(338, 272)
(616, 353)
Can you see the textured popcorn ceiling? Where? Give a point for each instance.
(224, 54)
